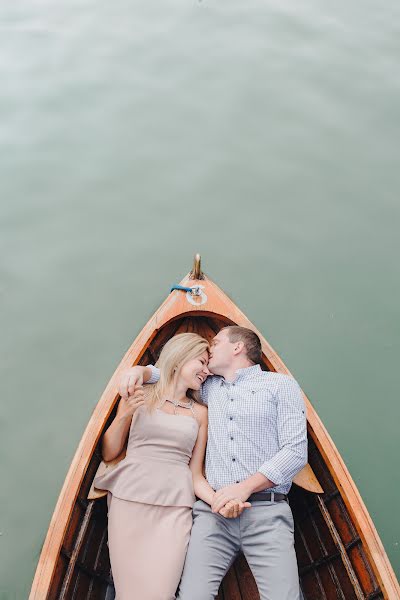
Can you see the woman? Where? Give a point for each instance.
(152, 490)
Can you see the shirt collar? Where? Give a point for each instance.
(243, 374)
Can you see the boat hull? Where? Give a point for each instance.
(338, 549)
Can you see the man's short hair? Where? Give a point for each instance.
(251, 341)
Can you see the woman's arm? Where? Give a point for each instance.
(115, 437)
(202, 488)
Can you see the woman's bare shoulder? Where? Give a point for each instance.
(202, 411)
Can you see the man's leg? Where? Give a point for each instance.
(214, 543)
(268, 543)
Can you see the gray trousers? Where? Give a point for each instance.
(264, 533)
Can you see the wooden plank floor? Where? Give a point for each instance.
(239, 583)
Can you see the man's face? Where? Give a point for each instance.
(221, 352)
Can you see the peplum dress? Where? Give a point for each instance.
(150, 504)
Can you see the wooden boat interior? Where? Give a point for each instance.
(333, 563)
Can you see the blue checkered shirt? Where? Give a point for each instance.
(255, 423)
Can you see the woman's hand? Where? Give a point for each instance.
(129, 406)
(115, 437)
(234, 508)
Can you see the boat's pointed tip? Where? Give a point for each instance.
(196, 272)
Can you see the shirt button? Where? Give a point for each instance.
(231, 438)
(233, 459)
(231, 399)
(230, 418)
(237, 482)
(233, 384)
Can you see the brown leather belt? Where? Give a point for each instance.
(268, 496)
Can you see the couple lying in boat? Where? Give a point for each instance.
(250, 425)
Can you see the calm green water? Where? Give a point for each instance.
(264, 135)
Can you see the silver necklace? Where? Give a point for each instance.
(177, 403)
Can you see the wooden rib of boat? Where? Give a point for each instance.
(340, 555)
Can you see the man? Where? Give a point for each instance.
(257, 442)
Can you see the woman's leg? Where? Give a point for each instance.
(147, 548)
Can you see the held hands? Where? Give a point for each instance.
(234, 508)
(236, 493)
(130, 379)
(129, 406)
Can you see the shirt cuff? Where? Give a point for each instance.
(271, 473)
(155, 374)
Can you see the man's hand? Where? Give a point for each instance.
(234, 508)
(238, 491)
(130, 379)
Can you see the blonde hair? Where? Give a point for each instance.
(176, 352)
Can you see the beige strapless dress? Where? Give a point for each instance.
(150, 505)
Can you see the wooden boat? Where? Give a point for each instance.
(339, 552)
